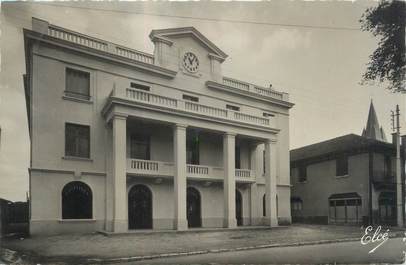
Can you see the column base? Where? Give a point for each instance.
(272, 222)
(120, 226)
(230, 223)
(181, 225)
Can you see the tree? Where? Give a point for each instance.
(388, 61)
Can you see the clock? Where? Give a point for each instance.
(190, 62)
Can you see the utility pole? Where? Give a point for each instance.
(399, 199)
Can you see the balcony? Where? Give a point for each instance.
(139, 167)
(172, 104)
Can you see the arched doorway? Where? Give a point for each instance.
(193, 208)
(140, 207)
(238, 207)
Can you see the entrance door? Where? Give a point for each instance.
(193, 208)
(387, 208)
(238, 207)
(139, 208)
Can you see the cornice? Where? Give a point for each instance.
(167, 41)
(189, 31)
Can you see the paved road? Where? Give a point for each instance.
(348, 252)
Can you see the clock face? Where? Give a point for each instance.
(190, 62)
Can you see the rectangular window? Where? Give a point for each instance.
(237, 157)
(139, 86)
(190, 98)
(302, 174)
(192, 147)
(232, 107)
(342, 166)
(77, 84)
(77, 140)
(140, 147)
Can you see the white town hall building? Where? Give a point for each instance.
(122, 139)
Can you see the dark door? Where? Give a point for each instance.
(387, 208)
(193, 208)
(238, 207)
(139, 208)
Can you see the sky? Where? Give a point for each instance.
(320, 68)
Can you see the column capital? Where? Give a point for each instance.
(229, 134)
(179, 126)
(271, 141)
(119, 116)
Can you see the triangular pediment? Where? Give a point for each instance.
(167, 34)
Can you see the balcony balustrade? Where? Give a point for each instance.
(241, 85)
(152, 99)
(141, 167)
(243, 173)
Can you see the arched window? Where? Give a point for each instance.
(76, 201)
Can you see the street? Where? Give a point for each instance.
(347, 252)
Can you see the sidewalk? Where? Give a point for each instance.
(97, 247)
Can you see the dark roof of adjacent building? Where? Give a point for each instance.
(349, 143)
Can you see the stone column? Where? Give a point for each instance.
(270, 182)
(179, 181)
(120, 222)
(256, 167)
(229, 180)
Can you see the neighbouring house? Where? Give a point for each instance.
(3, 216)
(346, 180)
(122, 139)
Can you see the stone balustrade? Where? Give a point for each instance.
(191, 107)
(166, 169)
(243, 173)
(94, 43)
(241, 85)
